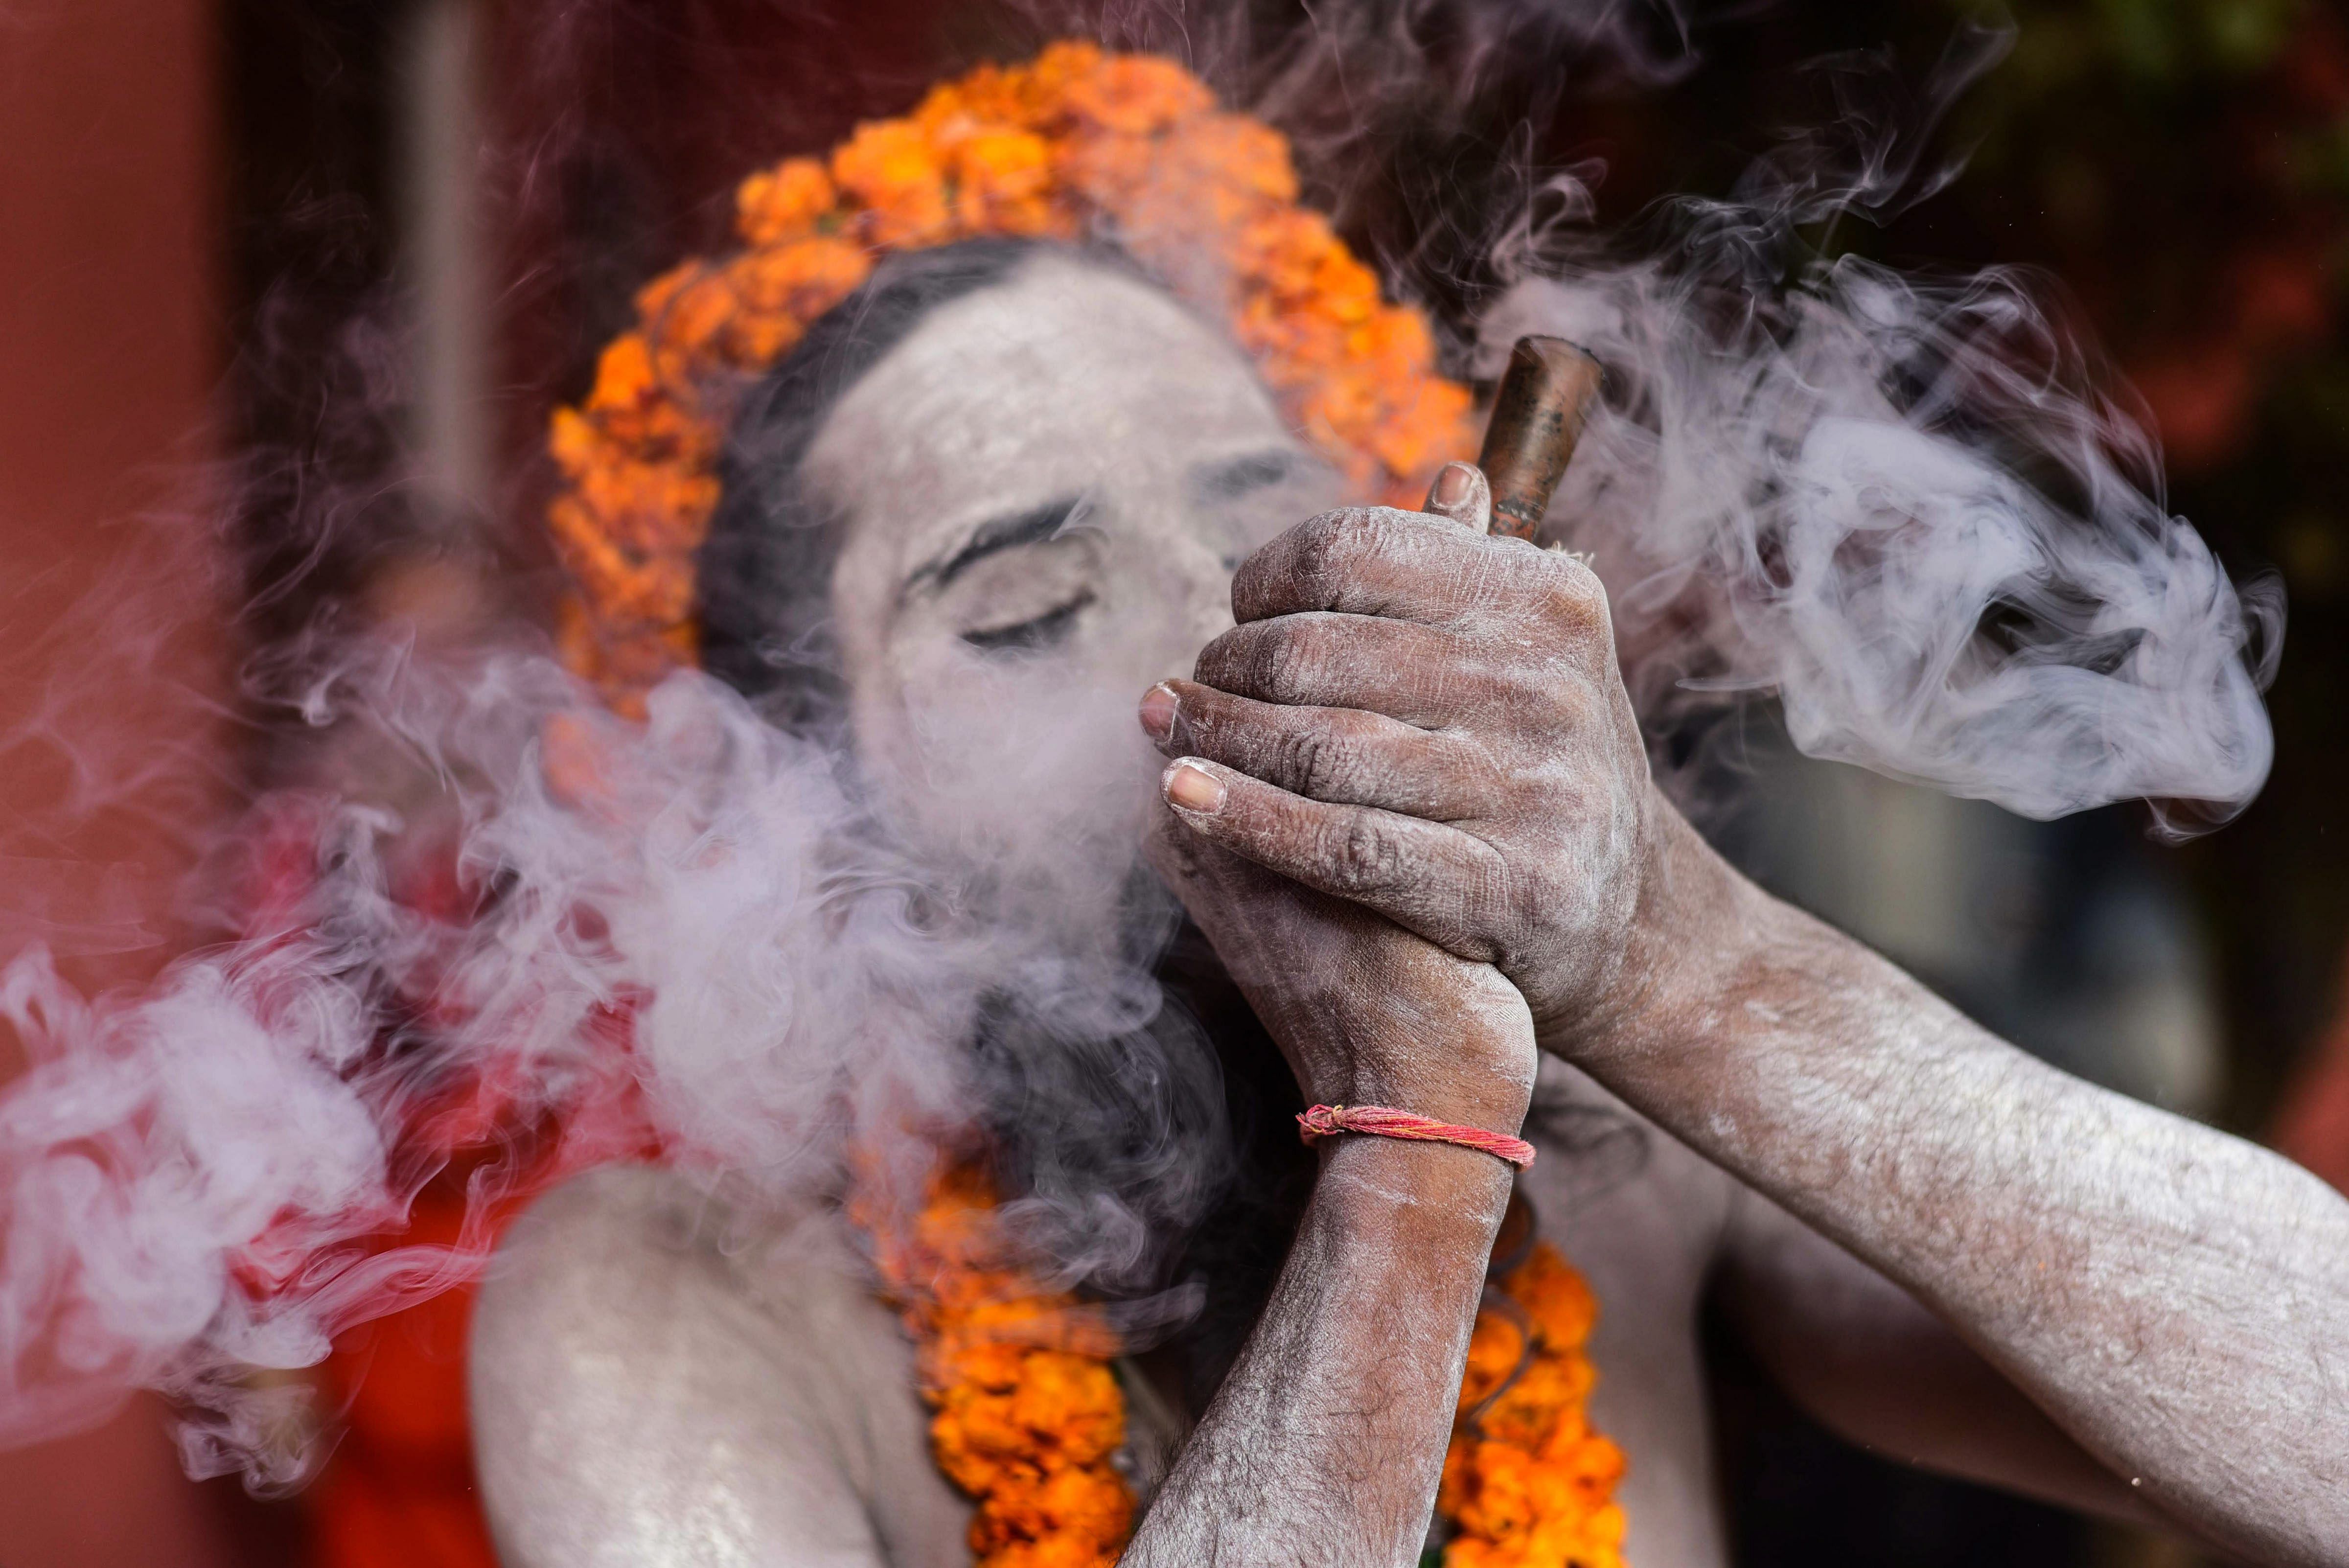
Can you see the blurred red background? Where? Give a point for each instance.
(112, 339)
(253, 284)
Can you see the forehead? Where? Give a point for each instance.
(1065, 378)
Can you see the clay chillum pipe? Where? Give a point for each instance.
(1538, 411)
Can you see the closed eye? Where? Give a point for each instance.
(1047, 630)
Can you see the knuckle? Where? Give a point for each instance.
(1493, 924)
(1311, 760)
(1256, 586)
(1313, 553)
(1474, 778)
(1219, 659)
(1525, 688)
(1326, 757)
(1298, 569)
(1571, 708)
(1572, 596)
(1332, 546)
(1262, 659)
(1280, 663)
(1521, 904)
(1360, 855)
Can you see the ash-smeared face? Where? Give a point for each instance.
(1047, 487)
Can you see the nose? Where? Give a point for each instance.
(1206, 582)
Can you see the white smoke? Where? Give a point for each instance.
(1917, 510)
(687, 930)
(1898, 506)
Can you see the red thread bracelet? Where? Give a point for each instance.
(1384, 1121)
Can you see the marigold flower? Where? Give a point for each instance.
(1065, 60)
(779, 290)
(1104, 172)
(1084, 1499)
(692, 309)
(1526, 1481)
(894, 172)
(783, 202)
(1244, 155)
(1138, 94)
(1002, 183)
(1076, 139)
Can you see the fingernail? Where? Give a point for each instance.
(1194, 788)
(1159, 706)
(1454, 485)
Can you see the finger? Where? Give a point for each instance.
(1256, 918)
(1297, 956)
(1346, 756)
(1419, 674)
(1435, 881)
(1463, 494)
(1378, 560)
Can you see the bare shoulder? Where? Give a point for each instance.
(660, 1377)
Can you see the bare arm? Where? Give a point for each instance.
(1327, 1439)
(1325, 1443)
(1430, 723)
(2176, 1300)
(1871, 1363)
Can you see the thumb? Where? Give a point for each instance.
(1461, 493)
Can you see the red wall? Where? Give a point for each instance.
(109, 640)
(108, 357)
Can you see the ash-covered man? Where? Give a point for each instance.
(1407, 800)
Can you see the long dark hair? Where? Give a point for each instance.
(1185, 1120)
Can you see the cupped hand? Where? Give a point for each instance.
(1428, 722)
(1365, 1012)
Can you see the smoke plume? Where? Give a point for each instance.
(686, 938)
(1891, 503)
(1902, 504)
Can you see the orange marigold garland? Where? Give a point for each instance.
(1029, 1418)
(1078, 142)
(1527, 1482)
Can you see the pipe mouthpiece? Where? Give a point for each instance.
(1538, 411)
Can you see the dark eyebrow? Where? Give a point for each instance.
(1234, 477)
(996, 534)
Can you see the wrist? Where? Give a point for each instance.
(1698, 921)
(1489, 1106)
(1429, 1195)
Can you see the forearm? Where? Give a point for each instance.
(2174, 1298)
(1326, 1442)
(1873, 1365)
